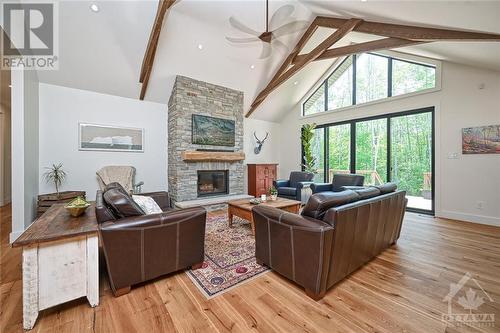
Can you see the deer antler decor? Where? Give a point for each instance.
(260, 142)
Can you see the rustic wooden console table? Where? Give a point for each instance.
(60, 261)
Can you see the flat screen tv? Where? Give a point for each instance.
(212, 131)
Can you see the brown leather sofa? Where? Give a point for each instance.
(336, 233)
(139, 247)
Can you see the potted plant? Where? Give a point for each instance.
(273, 192)
(56, 175)
(307, 138)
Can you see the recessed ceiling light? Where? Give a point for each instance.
(296, 83)
(94, 8)
(200, 46)
(364, 0)
(252, 66)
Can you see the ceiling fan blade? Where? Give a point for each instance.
(243, 40)
(266, 51)
(281, 15)
(290, 28)
(241, 27)
(279, 44)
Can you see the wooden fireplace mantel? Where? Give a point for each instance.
(204, 156)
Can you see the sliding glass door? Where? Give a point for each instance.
(371, 150)
(339, 149)
(412, 158)
(397, 147)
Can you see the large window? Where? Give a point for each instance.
(372, 77)
(397, 147)
(369, 77)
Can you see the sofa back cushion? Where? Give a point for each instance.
(367, 192)
(387, 188)
(319, 203)
(299, 176)
(121, 202)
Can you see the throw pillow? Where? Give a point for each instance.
(148, 205)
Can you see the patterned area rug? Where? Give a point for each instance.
(229, 256)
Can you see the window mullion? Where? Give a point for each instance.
(354, 60)
(389, 78)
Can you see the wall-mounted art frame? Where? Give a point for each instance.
(481, 140)
(110, 138)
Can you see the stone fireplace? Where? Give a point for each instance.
(199, 171)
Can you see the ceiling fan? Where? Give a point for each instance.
(269, 38)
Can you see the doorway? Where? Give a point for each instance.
(5, 138)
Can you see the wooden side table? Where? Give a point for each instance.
(60, 261)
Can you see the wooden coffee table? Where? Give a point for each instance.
(243, 208)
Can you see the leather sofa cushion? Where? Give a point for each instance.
(319, 203)
(299, 176)
(121, 203)
(387, 188)
(341, 179)
(367, 192)
(289, 191)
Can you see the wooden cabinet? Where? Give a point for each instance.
(260, 178)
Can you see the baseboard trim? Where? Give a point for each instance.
(480, 219)
(14, 235)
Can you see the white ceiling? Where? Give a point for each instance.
(103, 51)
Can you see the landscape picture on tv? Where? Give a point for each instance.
(212, 131)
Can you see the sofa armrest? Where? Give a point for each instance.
(295, 246)
(281, 183)
(321, 187)
(162, 199)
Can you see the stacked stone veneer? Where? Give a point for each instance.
(190, 97)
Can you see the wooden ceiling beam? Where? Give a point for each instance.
(311, 56)
(415, 33)
(149, 56)
(376, 45)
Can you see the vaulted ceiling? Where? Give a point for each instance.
(103, 51)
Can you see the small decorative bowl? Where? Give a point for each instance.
(77, 206)
(255, 201)
(77, 211)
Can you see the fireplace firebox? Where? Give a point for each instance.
(212, 182)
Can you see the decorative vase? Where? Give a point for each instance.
(274, 197)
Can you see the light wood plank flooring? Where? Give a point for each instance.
(400, 291)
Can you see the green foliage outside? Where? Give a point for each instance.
(411, 151)
(307, 144)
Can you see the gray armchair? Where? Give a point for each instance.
(294, 187)
(339, 181)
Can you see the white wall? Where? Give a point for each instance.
(25, 121)
(460, 183)
(61, 110)
(270, 152)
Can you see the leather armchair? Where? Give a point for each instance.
(140, 247)
(294, 187)
(336, 233)
(339, 182)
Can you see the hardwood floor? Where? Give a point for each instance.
(400, 291)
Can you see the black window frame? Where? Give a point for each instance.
(388, 117)
(324, 83)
